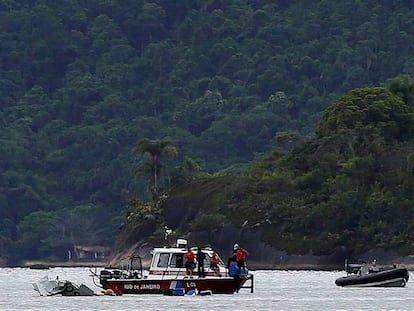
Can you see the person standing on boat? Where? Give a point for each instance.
(241, 254)
(214, 261)
(189, 262)
(200, 260)
(233, 255)
(373, 267)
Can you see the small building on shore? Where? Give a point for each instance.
(90, 253)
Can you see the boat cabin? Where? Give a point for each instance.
(170, 260)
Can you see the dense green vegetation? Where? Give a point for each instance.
(351, 186)
(346, 191)
(83, 82)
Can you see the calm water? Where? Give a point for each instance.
(274, 290)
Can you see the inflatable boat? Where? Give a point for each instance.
(363, 276)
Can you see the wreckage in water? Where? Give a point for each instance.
(51, 287)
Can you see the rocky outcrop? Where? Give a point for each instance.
(261, 255)
(185, 214)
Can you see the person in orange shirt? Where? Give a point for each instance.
(241, 254)
(214, 261)
(189, 262)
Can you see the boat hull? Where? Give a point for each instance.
(146, 286)
(389, 278)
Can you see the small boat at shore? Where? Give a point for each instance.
(167, 275)
(360, 275)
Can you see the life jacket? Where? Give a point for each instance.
(214, 260)
(241, 254)
(189, 256)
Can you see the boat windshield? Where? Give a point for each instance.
(177, 261)
(206, 261)
(173, 259)
(163, 260)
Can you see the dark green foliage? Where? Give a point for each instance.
(350, 183)
(371, 107)
(347, 191)
(35, 230)
(82, 81)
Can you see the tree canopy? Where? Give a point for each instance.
(377, 108)
(82, 81)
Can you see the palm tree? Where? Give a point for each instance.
(155, 149)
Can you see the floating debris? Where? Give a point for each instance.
(50, 287)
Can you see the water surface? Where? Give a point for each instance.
(273, 290)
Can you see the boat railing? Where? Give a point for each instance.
(179, 272)
(249, 277)
(130, 268)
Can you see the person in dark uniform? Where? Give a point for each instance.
(200, 260)
(233, 257)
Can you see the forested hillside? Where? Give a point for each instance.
(345, 193)
(83, 81)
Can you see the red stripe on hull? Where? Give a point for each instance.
(217, 286)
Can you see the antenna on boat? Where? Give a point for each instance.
(167, 232)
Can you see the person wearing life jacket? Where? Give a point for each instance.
(241, 254)
(189, 262)
(214, 261)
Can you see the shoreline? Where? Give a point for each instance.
(39, 264)
(64, 264)
(252, 267)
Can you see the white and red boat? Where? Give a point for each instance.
(167, 275)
